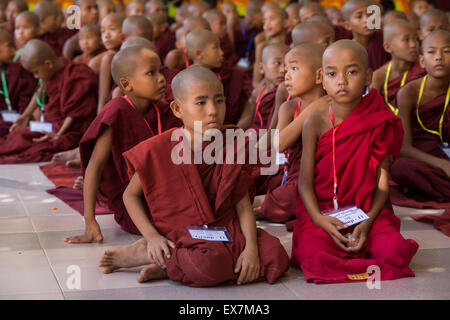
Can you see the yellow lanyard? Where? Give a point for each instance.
(441, 121)
(393, 109)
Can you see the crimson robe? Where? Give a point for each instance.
(266, 107)
(366, 137)
(165, 43)
(58, 39)
(195, 195)
(342, 33)
(21, 86)
(228, 51)
(242, 40)
(377, 56)
(71, 92)
(415, 72)
(423, 181)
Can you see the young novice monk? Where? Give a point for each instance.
(105, 7)
(27, 28)
(120, 125)
(18, 85)
(293, 17)
(14, 8)
(203, 47)
(163, 37)
(135, 8)
(67, 103)
(217, 195)
(303, 81)
(137, 26)
(356, 17)
(402, 43)
(423, 170)
(431, 20)
(90, 42)
(357, 134)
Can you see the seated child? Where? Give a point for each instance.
(309, 10)
(203, 47)
(419, 7)
(122, 124)
(293, 16)
(27, 28)
(335, 16)
(423, 170)
(392, 15)
(413, 19)
(156, 6)
(90, 42)
(105, 7)
(356, 16)
(357, 134)
(304, 84)
(181, 14)
(233, 20)
(198, 9)
(67, 106)
(431, 20)
(14, 8)
(135, 8)
(18, 85)
(166, 246)
(163, 38)
(137, 26)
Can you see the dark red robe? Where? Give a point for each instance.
(21, 86)
(377, 56)
(242, 40)
(165, 43)
(342, 33)
(195, 195)
(228, 51)
(423, 181)
(366, 137)
(71, 92)
(58, 39)
(265, 110)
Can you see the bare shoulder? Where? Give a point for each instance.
(409, 93)
(379, 77)
(260, 37)
(316, 123)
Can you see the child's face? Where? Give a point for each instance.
(294, 18)
(299, 77)
(419, 7)
(136, 8)
(89, 41)
(436, 56)
(344, 76)
(325, 38)
(358, 21)
(273, 67)
(229, 10)
(7, 51)
(12, 11)
(106, 8)
(50, 24)
(88, 12)
(111, 33)
(433, 23)
(336, 18)
(24, 31)
(148, 81)
(42, 71)
(273, 23)
(205, 102)
(158, 30)
(405, 44)
(159, 8)
(219, 27)
(212, 56)
(307, 13)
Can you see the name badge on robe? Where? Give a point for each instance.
(9, 116)
(37, 126)
(243, 63)
(350, 215)
(210, 234)
(281, 158)
(446, 148)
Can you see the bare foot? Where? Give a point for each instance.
(73, 163)
(151, 272)
(79, 181)
(67, 155)
(134, 255)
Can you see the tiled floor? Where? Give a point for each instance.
(34, 260)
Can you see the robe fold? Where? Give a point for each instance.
(71, 92)
(194, 195)
(127, 128)
(58, 39)
(228, 52)
(377, 55)
(342, 33)
(366, 137)
(440, 222)
(425, 182)
(165, 43)
(266, 107)
(21, 86)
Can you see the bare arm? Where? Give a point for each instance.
(71, 47)
(280, 97)
(104, 81)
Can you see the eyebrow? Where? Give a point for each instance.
(201, 97)
(293, 61)
(347, 66)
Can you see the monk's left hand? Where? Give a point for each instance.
(46, 135)
(248, 265)
(360, 236)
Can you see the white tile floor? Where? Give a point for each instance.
(34, 260)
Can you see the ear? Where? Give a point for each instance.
(387, 47)
(420, 34)
(126, 84)
(369, 76)
(347, 26)
(198, 54)
(49, 64)
(175, 106)
(422, 61)
(261, 68)
(319, 76)
(122, 38)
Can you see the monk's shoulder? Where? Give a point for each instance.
(410, 91)
(317, 122)
(378, 77)
(288, 108)
(260, 37)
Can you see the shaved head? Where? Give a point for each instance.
(115, 17)
(394, 27)
(212, 15)
(274, 7)
(35, 52)
(393, 15)
(350, 6)
(29, 16)
(311, 31)
(21, 5)
(183, 80)
(436, 34)
(195, 23)
(125, 62)
(157, 18)
(138, 41)
(272, 49)
(433, 15)
(253, 6)
(91, 27)
(321, 19)
(359, 51)
(307, 53)
(198, 40)
(5, 36)
(46, 9)
(310, 9)
(137, 26)
(198, 8)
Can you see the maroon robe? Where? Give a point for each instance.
(71, 92)
(21, 86)
(365, 138)
(377, 56)
(165, 43)
(423, 181)
(342, 33)
(58, 39)
(242, 40)
(195, 195)
(265, 110)
(228, 51)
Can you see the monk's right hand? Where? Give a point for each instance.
(329, 225)
(21, 122)
(158, 249)
(92, 233)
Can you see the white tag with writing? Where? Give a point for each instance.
(243, 63)
(10, 116)
(37, 126)
(348, 215)
(210, 234)
(446, 149)
(281, 158)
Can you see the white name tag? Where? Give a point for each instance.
(210, 234)
(9, 116)
(446, 149)
(243, 63)
(348, 215)
(281, 158)
(37, 126)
